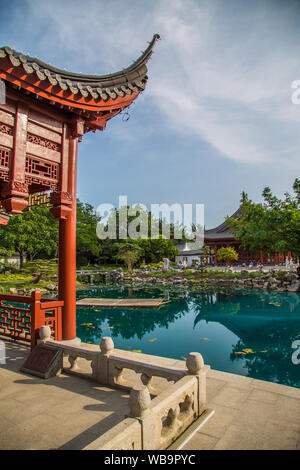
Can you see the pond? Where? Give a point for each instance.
(246, 332)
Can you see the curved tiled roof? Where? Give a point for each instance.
(125, 82)
(222, 231)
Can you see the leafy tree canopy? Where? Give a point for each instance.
(227, 254)
(32, 233)
(87, 243)
(273, 224)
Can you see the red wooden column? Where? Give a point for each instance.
(37, 320)
(67, 252)
(261, 257)
(64, 208)
(216, 258)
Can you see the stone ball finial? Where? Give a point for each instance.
(106, 345)
(139, 400)
(45, 333)
(194, 363)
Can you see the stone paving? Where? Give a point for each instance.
(63, 412)
(249, 414)
(67, 412)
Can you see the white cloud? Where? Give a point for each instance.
(231, 90)
(221, 73)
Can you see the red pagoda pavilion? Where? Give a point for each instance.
(45, 114)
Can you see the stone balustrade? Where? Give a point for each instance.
(156, 416)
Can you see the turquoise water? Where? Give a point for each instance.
(219, 323)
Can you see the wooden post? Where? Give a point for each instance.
(37, 317)
(216, 258)
(261, 257)
(67, 252)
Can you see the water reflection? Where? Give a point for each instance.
(249, 332)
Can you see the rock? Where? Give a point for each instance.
(294, 287)
(166, 265)
(290, 276)
(51, 287)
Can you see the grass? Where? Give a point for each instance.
(48, 269)
(26, 278)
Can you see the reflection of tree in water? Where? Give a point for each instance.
(251, 315)
(130, 322)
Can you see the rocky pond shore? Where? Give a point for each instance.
(274, 279)
(270, 279)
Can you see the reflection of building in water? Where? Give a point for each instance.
(247, 322)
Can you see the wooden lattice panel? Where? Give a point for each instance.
(40, 171)
(51, 320)
(38, 140)
(5, 129)
(7, 123)
(4, 157)
(39, 199)
(15, 322)
(4, 163)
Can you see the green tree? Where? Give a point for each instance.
(32, 233)
(87, 243)
(155, 249)
(136, 219)
(273, 224)
(130, 253)
(227, 254)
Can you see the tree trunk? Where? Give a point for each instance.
(38, 278)
(21, 254)
(129, 266)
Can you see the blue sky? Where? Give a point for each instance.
(216, 117)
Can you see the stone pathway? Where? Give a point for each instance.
(249, 414)
(67, 412)
(64, 412)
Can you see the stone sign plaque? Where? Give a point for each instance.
(44, 361)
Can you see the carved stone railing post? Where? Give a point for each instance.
(44, 334)
(106, 348)
(139, 401)
(147, 380)
(195, 366)
(139, 405)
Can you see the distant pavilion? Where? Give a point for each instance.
(221, 236)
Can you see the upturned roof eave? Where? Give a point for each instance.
(135, 71)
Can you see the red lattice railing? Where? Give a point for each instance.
(24, 323)
(39, 199)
